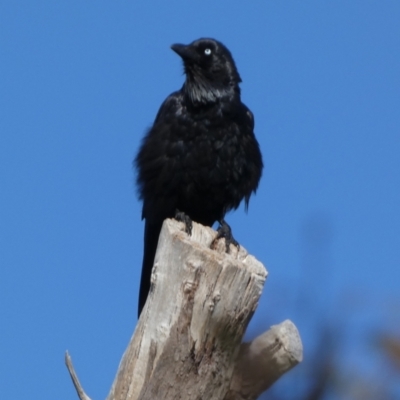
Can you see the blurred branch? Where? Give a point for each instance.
(391, 348)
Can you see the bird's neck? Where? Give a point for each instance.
(200, 92)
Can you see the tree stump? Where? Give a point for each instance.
(188, 341)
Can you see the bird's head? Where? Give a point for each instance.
(210, 70)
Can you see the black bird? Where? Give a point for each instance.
(200, 158)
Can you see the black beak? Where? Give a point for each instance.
(182, 50)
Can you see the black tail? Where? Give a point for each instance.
(151, 234)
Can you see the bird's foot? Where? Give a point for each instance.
(182, 217)
(225, 231)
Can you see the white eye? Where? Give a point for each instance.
(207, 52)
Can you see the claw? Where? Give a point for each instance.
(182, 217)
(225, 231)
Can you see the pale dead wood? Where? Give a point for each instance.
(264, 360)
(189, 332)
(78, 387)
(189, 335)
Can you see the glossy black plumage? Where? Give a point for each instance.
(200, 156)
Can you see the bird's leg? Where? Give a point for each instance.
(182, 217)
(225, 231)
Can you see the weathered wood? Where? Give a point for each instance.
(78, 387)
(264, 360)
(187, 343)
(197, 311)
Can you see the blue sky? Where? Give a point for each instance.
(79, 84)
